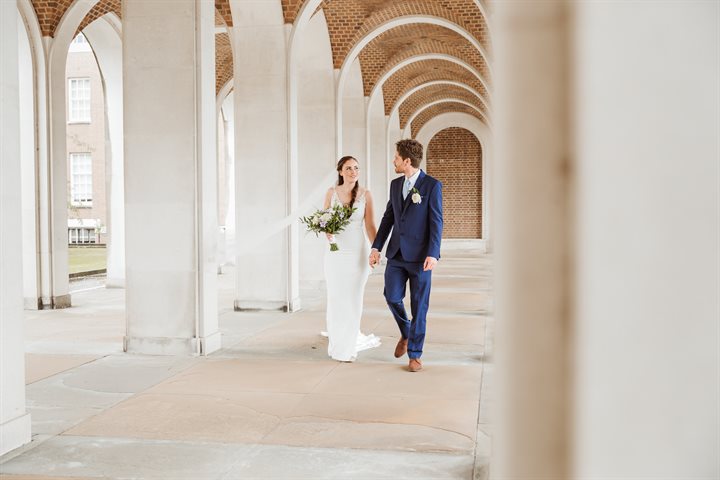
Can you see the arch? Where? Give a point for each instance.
(57, 57)
(27, 129)
(429, 56)
(377, 58)
(484, 134)
(420, 87)
(358, 27)
(350, 58)
(407, 20)
(431, 94)
(455, 157)
(408, 125)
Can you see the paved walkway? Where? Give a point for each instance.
(270, 404)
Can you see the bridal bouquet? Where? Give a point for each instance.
(330, 220)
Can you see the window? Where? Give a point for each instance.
(79, 110)
(82, 235)
(81, 179)
(79, 39)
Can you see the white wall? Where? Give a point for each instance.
(648, 222)
(316, 138)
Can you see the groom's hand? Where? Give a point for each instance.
(430, 263)
(374, 257)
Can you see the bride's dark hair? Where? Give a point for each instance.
(341, 162)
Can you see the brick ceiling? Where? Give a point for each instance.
(349, 21)
(448, 107)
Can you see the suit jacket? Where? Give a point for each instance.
(416, 227)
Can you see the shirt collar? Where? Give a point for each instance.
(414, 178)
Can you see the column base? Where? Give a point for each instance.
(32, 303)
(256, 305)
(115, 283)
(172, 346)
(15, 433)
(160, 345)
(295, 305)
(61, 301)
(211, 343)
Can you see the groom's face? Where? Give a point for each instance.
(401, 164)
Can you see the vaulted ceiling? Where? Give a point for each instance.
(441, 61)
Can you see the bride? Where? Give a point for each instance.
(347, 270)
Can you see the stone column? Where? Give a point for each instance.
(378, 155)
(532, 232)
(14, 420)
(262, 177)
(170, 177)
(107, 45)
(647, 352)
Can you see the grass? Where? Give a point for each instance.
(85, 259)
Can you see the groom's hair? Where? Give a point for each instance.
(411, 149)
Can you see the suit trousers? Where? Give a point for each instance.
(397, 273)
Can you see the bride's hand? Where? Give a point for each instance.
(329, 237)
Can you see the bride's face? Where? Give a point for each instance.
(350, 171)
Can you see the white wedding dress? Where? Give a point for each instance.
(346, 273)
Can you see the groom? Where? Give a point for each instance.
(414, 214)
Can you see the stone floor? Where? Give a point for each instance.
(270, 404)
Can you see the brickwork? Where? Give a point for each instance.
(392, 47)
(436, 73)
(420, 72)
(351, 20)
(223, 8)
(438, 109)
(433, 93)
(49, 13)
(223, 61)
(454, 156)
(100, 9)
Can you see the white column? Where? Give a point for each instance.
(31, 290)
(378, 155)
(532, 230)
(353, 112)
(107, 46)
(316, 145)
(261, 157)
(14, 421)
(170, 177)
(648, 197)
(228, 112)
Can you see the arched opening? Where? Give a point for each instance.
(454, 156)
(87, 160)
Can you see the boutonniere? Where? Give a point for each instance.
(416, 198)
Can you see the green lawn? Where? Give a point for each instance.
(85, 259)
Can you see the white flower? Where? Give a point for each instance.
(316, 220)
(325, 217)
(416, 198)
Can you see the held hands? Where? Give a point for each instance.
(429, 264)
(374, 258)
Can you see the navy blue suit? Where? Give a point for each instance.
(416, 234)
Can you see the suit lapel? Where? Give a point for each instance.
(417, 185)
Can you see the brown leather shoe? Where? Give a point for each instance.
(415, 365)
(401, 347)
